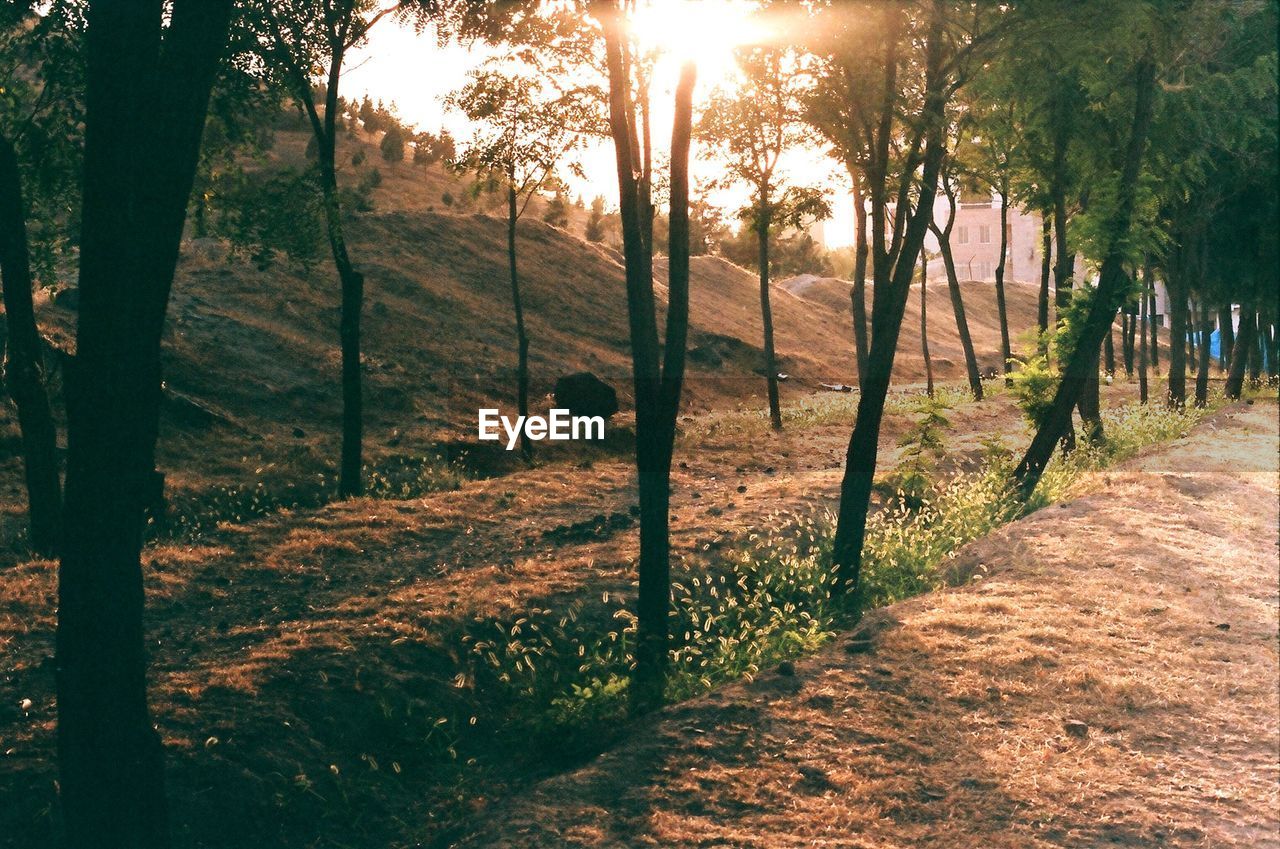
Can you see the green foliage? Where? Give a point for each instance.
(268, 215)
(770, 598)
(909, 483)
(557, 211)
(595, 220)
(398, 478)
(392, 144)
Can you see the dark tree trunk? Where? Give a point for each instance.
(893, 275)
(1257, 348)
(657, 375)
(859, 293)
(766, 317)
(1176, 392)
(1064, 267)
(953, 288)
(1153, 328)
(1109, 349)
(1128, 335)
(1193, 361)
(1142, 335)
(522, 339)
(924, 323)
(1111, 286)
(145, 106)
(23, 368)
(1042, 306)
(1006, 351)
(325, 129)
(350, 469)
(1272, 348)
(1226, 338)
(1245, 343)
(1202, 375)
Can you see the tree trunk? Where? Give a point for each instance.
(1006, 351)
(1226, 338)
(957, 302)
(1109, 350)
(1256, 349)
(1245, 343)
(1064, 267)
(1128, 337)
(1202, 375)
(1152, 328)
(522, 339)
(924, 323)
(23, 368)
(1042, 306)
(892, 285)
(1143, 320)
(350, 470)
(766, 318)
(145, 105)
(1111, 286)
(859, 293)
(1193, 361)
(1176, 392)
(657, 384)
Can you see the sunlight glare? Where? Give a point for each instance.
(705, 31)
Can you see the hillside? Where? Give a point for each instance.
(439, 337)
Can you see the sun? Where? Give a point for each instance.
(703, 31)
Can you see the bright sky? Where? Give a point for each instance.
(415, 73)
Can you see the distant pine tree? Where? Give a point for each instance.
(557, 213)
(595, 220)
(392, 144)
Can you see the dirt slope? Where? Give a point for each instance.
(1146, 610)
(252, 362)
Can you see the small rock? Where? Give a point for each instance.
(1076, 728)
(1223, 626)
(742, 488)
(299, 433)
(858, 646)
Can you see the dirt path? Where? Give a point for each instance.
(1146, 610)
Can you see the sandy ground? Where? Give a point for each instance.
(1108, 678)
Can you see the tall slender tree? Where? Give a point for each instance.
(305, 45)
(524, 130)
(657, 369)
(943, 235)
(750, 130)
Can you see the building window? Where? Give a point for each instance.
(984, 234)
(964, 235)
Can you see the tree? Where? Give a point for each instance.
(750, 130)
(524, 130)
(299, 38)
(657, 370)
(905, 117)
(943, 235)
(924, 323)
(595, 220)
(1114, 214)
(149, 72)
(392, 144)
(557, 212)
(41, 104)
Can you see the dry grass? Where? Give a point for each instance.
(1109, 610)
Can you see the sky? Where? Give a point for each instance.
(416, 73)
